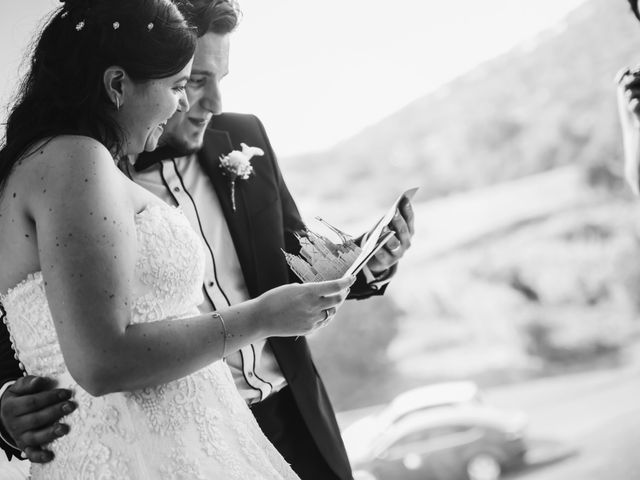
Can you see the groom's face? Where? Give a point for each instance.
(185, 130)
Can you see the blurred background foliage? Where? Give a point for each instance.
(542, 105)
(532, 136)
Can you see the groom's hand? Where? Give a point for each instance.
(30, 411)
(393, 250)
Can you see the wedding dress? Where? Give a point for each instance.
(194, 428)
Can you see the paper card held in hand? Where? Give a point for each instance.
(321, 259)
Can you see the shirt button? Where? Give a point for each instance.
(211, 284)
(250, 374)
(176, 189)
(21, 365)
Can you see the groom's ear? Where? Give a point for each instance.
(113, 79)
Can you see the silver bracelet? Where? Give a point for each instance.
(225, 335)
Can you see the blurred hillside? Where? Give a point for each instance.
(517, 273)
(528, 278)
(545, 104)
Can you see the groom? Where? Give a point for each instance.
(277, 378)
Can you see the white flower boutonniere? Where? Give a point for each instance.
(237, 164)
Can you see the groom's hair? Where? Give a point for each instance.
(217, 16)
(634, 8)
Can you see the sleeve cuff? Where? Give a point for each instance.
(4, 436)
(376, 282)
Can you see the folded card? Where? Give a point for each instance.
(322, 259)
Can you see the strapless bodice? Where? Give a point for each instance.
(197, 427)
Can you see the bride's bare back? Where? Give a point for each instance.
(50, 185)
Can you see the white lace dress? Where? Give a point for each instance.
(195, 428)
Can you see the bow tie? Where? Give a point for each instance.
(147, 159)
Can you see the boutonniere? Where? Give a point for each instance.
(237, 164)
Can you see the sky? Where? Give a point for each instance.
(319, 72)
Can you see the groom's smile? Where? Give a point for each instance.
(185, 130)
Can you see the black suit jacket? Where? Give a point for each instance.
(9, 370)
(261, 226)
(264, 222)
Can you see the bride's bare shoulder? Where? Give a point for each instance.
(68, 166)
(63, 159)
(70, 151)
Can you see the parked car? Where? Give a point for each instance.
(444, 394)
(423, 438)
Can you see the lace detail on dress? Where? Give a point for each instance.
(166, 263)
(34, 353)
(195, 428)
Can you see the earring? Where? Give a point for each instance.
(117, 104)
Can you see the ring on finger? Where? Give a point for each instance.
(395, 249)
(328, 313)
(621, 74)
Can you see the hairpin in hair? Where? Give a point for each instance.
(150, 26)
(64, 14)
(116, 25)
(80, 25)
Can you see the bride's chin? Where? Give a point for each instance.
(152, 140)
(150, 146)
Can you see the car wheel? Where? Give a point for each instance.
(483, 466)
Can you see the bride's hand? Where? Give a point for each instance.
(299, 309)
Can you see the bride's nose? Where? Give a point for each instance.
(183, 103)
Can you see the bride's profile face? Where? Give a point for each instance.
(147, 107)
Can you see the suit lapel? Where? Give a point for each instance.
(293, 355)
(217, 143)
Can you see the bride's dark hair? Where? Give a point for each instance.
(63, 92)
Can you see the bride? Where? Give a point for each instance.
(102, 279)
